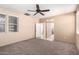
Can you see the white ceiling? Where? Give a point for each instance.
(55, 9)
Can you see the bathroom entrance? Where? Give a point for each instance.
(45, 30)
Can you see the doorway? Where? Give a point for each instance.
(45, 30)
(50, 31)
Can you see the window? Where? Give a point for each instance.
(11, 21)
(2, 22)
(12, 24)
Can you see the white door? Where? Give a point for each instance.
(40, 30)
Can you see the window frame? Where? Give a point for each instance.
(4, 23)
(13, 24)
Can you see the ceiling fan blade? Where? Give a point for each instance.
(45, 10)
(41, 13)
(37, 6)
(31, 10)
(34, 14)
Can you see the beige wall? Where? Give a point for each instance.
(65, 27)
(77, 29)
(26, 28)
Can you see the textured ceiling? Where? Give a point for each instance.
(55, 9)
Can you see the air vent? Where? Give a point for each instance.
(27, 14)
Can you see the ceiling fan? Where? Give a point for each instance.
(38, 10)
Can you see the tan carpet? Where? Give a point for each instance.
(39, 47)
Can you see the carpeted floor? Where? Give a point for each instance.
(39, 47)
